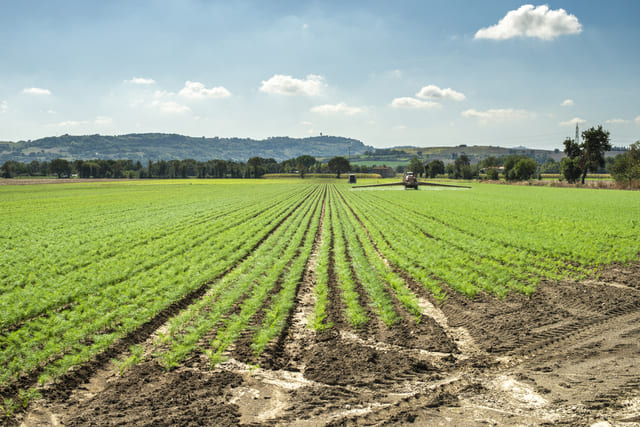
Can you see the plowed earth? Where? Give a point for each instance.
(569, 354)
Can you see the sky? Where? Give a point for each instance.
(389, 73)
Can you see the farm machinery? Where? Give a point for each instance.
(409, 180)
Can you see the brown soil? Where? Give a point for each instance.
(567, 355)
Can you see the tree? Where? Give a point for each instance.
(255, 163)
(462, 167)
(626, 167)
(519, 168)
(587, 156)
(491, 162)
(570, 166)
(303, 163)
(435, 168)
(60, 167)
(338, 165)
(595, 142)
(493, 174)
(416, 166)
(550, 166)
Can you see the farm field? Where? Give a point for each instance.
(309, 302)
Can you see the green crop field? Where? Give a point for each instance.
(85, 265)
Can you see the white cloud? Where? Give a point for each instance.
(4, 107)
(497, 114)
(36, 91)
(340, 108)
(637, 120)
(412, 103)
(140, 81)
(617, 121)
(573, 122)
(103, 120)
(196, 90)
(567, 103)
(72, 123)
(170, 107)
(434, 92)
(532, 21)
(158, 94)
(287, 85)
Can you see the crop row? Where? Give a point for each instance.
(82, 312)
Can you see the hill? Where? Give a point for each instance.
(160, 146)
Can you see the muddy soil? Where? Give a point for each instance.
(570, 355)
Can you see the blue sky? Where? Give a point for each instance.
(422, 73)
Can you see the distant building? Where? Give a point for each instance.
(384, 171)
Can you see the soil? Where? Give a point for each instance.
(567, 355)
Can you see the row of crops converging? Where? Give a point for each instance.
(87, 265)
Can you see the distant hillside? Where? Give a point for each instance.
(159, 146)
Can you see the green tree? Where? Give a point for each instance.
(595, 142)
(571, 166)
(587, 156)
(626, 167)
(550, 166)
(303, 163)
(416, 166)
(338, 165)
(519, 168)
(462, 167)
(60, 167)
(435, 168)
(254, 163)
(493, 174)
(490, 162)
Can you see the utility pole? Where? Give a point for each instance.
(577, 134)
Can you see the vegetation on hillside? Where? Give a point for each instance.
(160, 146)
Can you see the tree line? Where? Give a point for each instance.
(255, 167)
(581, 158)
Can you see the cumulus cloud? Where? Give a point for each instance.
(340, 108)
(573, 122)
(170, 107)
(532, 21)
(434, 92)
(4, 107)
(637, 120)
(280, 84)
(140, 81)
(196, 90)
(567, 103)
(497, 114)
(36, 91)
(412, 103)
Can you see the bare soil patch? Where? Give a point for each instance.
(567, 355)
